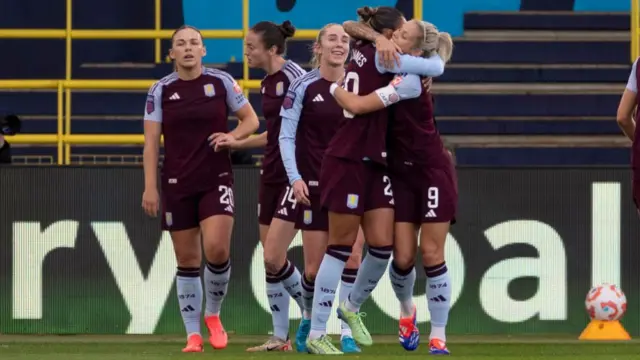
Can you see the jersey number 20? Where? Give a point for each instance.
(351, 80)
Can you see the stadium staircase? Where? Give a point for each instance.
(524, 88)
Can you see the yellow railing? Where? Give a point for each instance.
(63, 138)
(635, 25)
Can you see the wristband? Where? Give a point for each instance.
(332, 89)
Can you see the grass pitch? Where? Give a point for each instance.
(161, 348)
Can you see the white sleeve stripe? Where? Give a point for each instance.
(164, 81)
(219, 74)
(632, 83)
(306, 78)
(294, 69)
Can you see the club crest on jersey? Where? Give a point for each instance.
(209, 90)
(287, 103)
(352, 201)
(308, 217)
(151, 105)
(279, 88)
(236, 87)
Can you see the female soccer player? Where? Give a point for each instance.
(424, 183)
(310, 118)
(265, 45)
(627, 121)
(189, 107)
(356, 188)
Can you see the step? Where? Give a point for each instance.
(561, 20)
(538, 141)
(447, 125)
(139, 71)
(534, 73)
(450, 100)
(517, 51)
(497, 73)
(541, 52)
(588, 155)
(539, 156)
(455, 72)
(546, 35)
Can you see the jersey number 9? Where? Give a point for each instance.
(351, 80)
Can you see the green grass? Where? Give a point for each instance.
(161, 348)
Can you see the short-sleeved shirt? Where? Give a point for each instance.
(190, 111)
(309, 122)
(362, 136)
(274, 88)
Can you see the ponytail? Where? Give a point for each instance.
(434, 42)
(445, 46)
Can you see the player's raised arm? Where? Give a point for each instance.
(290, 112)
(152, 132)
(628, 105)
(406, 86)
(429, 50)
(389, 52)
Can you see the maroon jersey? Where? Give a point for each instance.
(274, 87)
(312, 120)
(190, 111)
(413, 136)
(632, 85)
(362, 136)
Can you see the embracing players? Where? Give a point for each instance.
(355, 186)
(424, 183)
(627, 120)
(310, 118)
(190, 108)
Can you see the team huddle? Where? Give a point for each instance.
(352, 155)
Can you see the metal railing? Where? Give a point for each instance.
(635, 25)
(63, 138)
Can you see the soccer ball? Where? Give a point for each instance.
(606, 302)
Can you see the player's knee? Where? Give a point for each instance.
(271, 266)
(217, 255)
(273, 262)
(189, 258)
(403, 260)
(432, 252)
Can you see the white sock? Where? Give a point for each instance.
(307, 297)
(327, 282)
(402, 282)
(279, 305)
(189, 291)
(439, 299)
(348, 277)
(216, 282)
(371, 270)
(292, 281)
